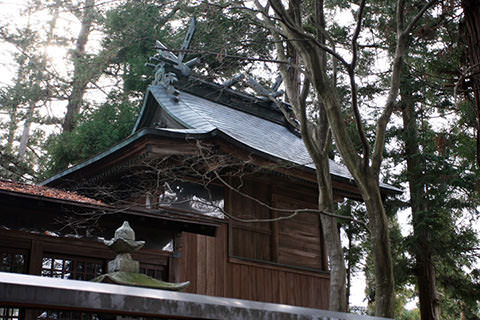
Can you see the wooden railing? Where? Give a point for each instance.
(34, 292)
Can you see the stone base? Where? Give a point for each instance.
(123, 262)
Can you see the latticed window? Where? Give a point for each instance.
(153, 270)
(81, 264)
(9, 313)
(71, 268)
(12, 260)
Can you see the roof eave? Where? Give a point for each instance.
(145, 132)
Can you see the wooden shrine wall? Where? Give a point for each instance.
(278, 261)
(204, 261)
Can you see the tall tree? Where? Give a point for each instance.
(82, 73)
(433, 156)
(26, 95)
(39, 93)
(471, 11)
(425, 269)
(364, 167)
(316, 135)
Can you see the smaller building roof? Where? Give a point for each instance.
(47, 192)
(35, 198)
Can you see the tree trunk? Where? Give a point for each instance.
(425, 271)
(80, 75)
(381, 247)
(348, 270)
(316, 139)
(37, 93)
(336, 258)
(22, 148)
(471, 12)
(368, 182)
(12, 125)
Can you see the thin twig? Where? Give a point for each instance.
(461, 79)
(353, 86)
(256, 200)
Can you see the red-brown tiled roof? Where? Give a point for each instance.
(46, 192)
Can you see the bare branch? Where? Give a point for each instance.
(232, 56)
(258, 201)
(301, 34)
(356, 34)
(358, 118)
(353, 86)
(464, 75)
(419, 15)
(402, 38)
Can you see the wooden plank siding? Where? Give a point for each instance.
(264, 261)
(212, 272)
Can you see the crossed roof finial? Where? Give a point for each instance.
(165, 56)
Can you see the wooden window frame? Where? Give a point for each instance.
(38, 246)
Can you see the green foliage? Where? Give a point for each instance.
(131, 30)
(222, 38)
(96, 132)
(225, 38)
(445, 174)
(413, 314)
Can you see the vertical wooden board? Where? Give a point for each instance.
(257, 243)
(35, 257)
(304, 291)
(176, 259)
(326, 295)
(311, 291)
(210, 265)
(274, 242)
(282, 287)
(236, 243)
(230, 234)
(220, 261)
(267, 285)
(299, 287)
(260, 284)
(244, 285)
(182, 260)
(292, 289)
(191, 259)
(316, 291)
(319, 295)
(252, 280)
(236, 281)
(274, 291)
(201, 265)
(307, 296)
(229, 281)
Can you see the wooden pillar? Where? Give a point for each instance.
(35, 258)
(174, 259)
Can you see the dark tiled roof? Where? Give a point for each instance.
(198, 114)
(46, 192)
